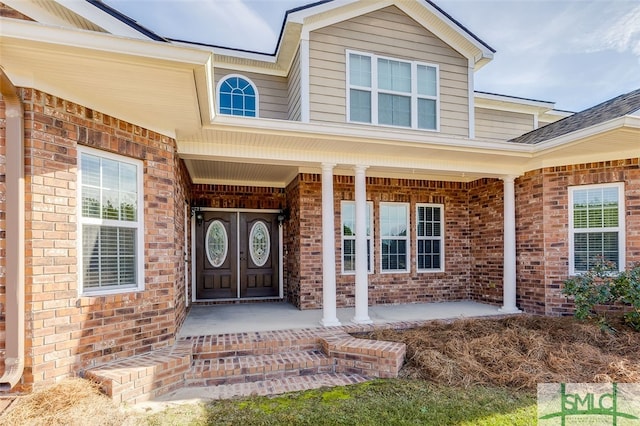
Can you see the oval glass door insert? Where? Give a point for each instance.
(216, 243)
(259, 243)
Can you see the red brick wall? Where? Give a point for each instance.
(309, 242)
(556, 182)
(486, 227)
(65, 332)
(530, 246)
(306, 242)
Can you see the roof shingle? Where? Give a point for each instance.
(613, 108)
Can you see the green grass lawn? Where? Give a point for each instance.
(381, 402)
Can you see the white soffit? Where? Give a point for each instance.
(150, 84)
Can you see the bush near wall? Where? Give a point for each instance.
(603, 286)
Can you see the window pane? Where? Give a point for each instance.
(90, 170)
(427, 84)
(394, 75)
(359, 70)
(593, 247)
(393, 220)
(394, 110)
(426, 114)
(349, 255)
(348, 219)
(360, 106)
(90, 202)
(110, 205)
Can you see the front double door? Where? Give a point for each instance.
(237, 255)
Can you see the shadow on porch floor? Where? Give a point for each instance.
(240, 318)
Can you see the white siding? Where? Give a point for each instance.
(273, 92)
(502, 125)
(387, 32)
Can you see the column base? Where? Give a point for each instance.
(330, 323)
(365, 320)
(509, 310)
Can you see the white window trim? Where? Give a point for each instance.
(255, 90)
(620, 229)
(375, 91)
(138, 224)
(369, 237)
(440, 238)
(407, 238)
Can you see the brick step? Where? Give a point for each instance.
(143, 377)
(265, 387)
(253, 368)
(254, 343)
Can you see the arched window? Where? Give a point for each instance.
(237, 95)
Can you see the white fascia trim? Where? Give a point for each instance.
(491, 101)
(484, 51)
(252, 56)
(101, 19)
(471, 100)
(299, 16)
(575, 137)
(369, 133)
(366, 7)
(47, 34)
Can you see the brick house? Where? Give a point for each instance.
(354, 166)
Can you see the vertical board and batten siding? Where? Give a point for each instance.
(294, 111)
(273, 92)
(502, 125)
(388, 32)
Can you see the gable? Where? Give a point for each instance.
(391, 33)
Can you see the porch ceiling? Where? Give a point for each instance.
(271, 152)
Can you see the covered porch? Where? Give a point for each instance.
(275, 316)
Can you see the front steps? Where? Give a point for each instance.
(243, 364)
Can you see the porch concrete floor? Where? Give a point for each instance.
(240, 318)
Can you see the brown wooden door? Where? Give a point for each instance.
(216, 256)
(259, 255)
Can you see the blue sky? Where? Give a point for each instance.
(576, 53)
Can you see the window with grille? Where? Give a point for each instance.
(237, 95)
(394, 238)
(392, 92)
(429, 235)
(110, 222)
(596, 216)
(348, 214)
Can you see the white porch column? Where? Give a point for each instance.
(509, 269)
(329, 317)
(362, 279)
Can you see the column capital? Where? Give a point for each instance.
(360, 167)
(509, 178)
(328, 166)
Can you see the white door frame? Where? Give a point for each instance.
(237, 211)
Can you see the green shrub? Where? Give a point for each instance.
(605, 285)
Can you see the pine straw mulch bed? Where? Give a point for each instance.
(72, 402)
(518, 352)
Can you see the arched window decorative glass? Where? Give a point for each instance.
(259, 243)
(237, 95)
(217, 243)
